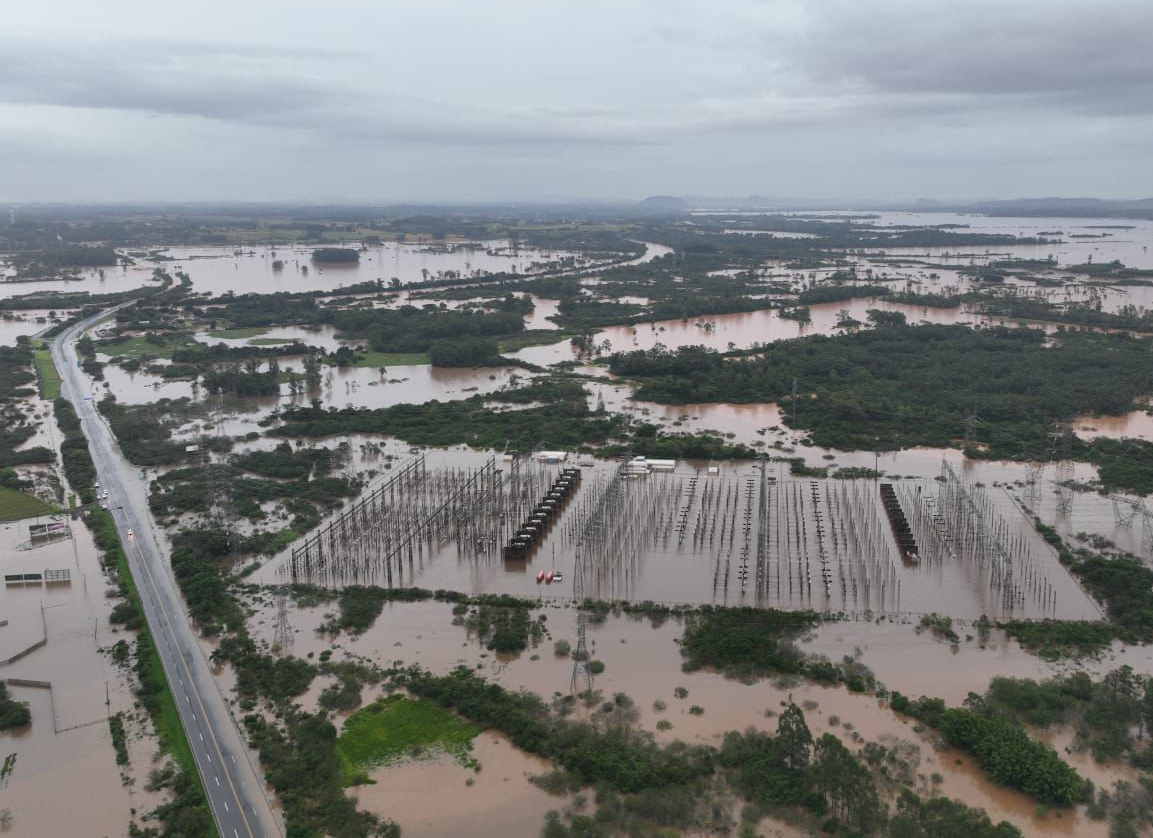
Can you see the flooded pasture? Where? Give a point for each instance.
(642, 660)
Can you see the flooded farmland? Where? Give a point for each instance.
(698, 532)
(642, 660)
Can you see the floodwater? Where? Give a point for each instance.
(828, 546)
(68, 744)
(1131, 246)
(1137, 424)
(220, 270)
(16, 323)
(90, 280)
(1128, 240)
(442, 799)
(643, 661)
(746, 329)
(340, 387)
(323, 337)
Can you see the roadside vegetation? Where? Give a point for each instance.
(880, 384)
(186, 812)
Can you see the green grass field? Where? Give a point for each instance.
(533, 337)
(269, 341)
(139, 347)
(396, 727)
(15, 505)
(391, 359)
(236, 334)
(46, 373)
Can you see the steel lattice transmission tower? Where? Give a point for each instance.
(282, 636)
(1063, 470)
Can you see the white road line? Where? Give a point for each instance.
(201, 735)
(226, 809)
(217, 779)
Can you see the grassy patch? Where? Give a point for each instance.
(15, 505)
(141, 347)
(270, 341)
(47, 374)
(396, 727)
(535, 337)
(370, 358)
(236, 334)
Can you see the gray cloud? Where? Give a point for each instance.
(447, 98)
(184, 79)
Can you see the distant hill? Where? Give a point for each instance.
(1092, 207)
(663, 204)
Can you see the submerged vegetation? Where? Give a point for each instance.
(900, 387)
(558, 411)
(878, 383)
(1002, 747)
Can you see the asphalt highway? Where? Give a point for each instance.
(236, 793)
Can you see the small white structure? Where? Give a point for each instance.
(551, 456)
(637, 465)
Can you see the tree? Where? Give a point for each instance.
(886, 319)
(846, 321)
(794, 738)
(846, 784)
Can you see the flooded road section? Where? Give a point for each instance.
(642, 660)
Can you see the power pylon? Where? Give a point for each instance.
(282, 636)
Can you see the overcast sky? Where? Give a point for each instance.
(473, 100)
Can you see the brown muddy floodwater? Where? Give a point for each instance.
(16, 323)
(67, 747)
(696, 536)
(1136, 424)
(340, 387)
(218, 270)
(642, 659)
(743, 330)
(441, 799)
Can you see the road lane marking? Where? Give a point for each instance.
(226, 809)
(158, 600)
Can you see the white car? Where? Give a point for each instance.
(131, 534)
